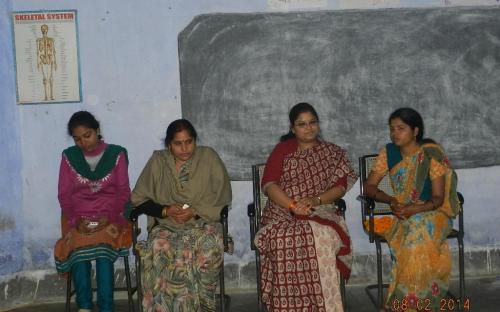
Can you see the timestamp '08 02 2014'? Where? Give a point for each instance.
(420, 304)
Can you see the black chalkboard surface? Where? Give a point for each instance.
(241, 73)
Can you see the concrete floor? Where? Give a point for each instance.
(483, 294)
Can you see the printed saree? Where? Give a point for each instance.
(303, 256)
(419, 249)
(180, 268)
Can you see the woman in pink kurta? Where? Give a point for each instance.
(304, 243)
(93, 193)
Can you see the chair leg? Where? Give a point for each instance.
(342, 293)
(260, 304)
(138, 277)
(461, 273)
(380, 298)
(222, 290)
(68, 292)
(129, 284)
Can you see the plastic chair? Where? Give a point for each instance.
(370, 209)
(254, 212)
(224, 300)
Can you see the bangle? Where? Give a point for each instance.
(164, 212)
(319, 200)
(292, 205)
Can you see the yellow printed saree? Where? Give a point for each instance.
(419, 249)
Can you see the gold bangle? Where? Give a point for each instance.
(164, 212)
(292, 205)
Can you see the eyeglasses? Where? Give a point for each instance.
(305, 124)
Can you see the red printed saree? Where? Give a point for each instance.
(303, 256)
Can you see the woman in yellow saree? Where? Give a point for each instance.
(424, 204)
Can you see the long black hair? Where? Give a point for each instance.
(295, 111)
(413, 119)
(177, 126)
(85, 119)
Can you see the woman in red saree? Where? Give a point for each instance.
(303, 242)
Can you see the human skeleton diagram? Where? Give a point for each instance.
(46, 61)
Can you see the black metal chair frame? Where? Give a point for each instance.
(128, 288)
(224, 300)
(254, 212)
(370, 209)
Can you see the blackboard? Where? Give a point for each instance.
(240, 74)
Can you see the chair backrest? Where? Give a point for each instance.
(366, 164)
(257, 173)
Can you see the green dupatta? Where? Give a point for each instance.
(106, 164)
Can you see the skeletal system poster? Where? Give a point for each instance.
(46, 54)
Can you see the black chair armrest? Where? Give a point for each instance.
(368, 203)
(251, 219)
(224, 213)
(368, 207)
(136, 231)
(460, 198)
(461, 215)
(251, 210)
(341, 207)
(225, 228)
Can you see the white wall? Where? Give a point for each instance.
(130, 80)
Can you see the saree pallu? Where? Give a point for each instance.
(303, 257)
(111, 242)
(180, 268)
(419, 248)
